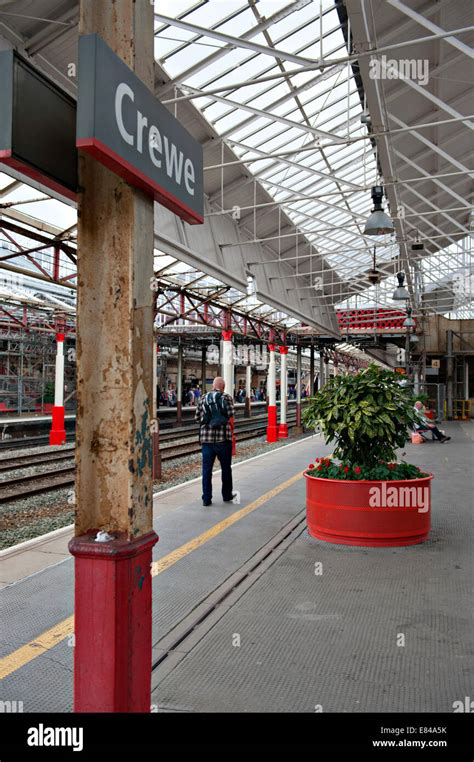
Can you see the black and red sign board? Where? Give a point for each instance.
(117, 120)
(37, 126)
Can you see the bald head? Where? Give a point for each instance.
(218, 384)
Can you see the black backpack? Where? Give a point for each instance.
(214, 410)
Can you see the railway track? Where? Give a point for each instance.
(18, 487)
(67, 451)
(166, 434)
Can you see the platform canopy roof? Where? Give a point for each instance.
(299, 112)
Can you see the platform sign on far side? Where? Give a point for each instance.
(37, 127)
(122, 124)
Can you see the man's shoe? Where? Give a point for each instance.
(206, 504)
(230, 499)
(445, 439)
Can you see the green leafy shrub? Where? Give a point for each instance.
(367, 415)
(48, 395)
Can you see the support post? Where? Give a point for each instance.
(322, 377)
(156, 421)
(449, 375)
(298, 427)
(407, 355)
(228, 361)
(311, 370)
(283, 427)
(272, 430)
(416, 381)
(57, 435)
(112, 654)
(203, 369)
(248, 391)
(179, 385)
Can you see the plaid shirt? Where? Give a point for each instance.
(220, 433)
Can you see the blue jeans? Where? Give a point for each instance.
(223, 451)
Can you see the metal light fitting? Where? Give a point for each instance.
(400, 292)
(374, 276)
(409, 322)
(379, 223)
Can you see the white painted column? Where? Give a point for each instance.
(57, 435)
(272, 431)
(228, 362)
(283, 427)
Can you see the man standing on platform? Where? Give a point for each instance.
(214, 413)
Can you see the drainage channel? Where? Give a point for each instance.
(183, 637)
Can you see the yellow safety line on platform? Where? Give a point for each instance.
(62, 630)
(163, 563)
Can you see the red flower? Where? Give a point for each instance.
(319, 468)
(357, 470)
(346, 469)
(311, 466)
(317, 460)
(392, 465)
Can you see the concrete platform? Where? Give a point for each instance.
(379, 630)
(305, 639)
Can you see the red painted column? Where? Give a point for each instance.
(272, 429)
(57, 435)
(228, 372)
(283, 427)
(113, 628)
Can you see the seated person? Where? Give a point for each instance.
(426, 425)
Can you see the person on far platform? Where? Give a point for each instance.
(426, 424)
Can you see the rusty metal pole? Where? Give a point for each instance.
(114, 388)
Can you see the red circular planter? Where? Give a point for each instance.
(369, 513)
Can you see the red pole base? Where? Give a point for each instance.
(178, 412)
(283, 431)
(57, 435)
(112, 654)
(272, 429)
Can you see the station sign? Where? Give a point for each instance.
(122, 124)
(37, 126)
